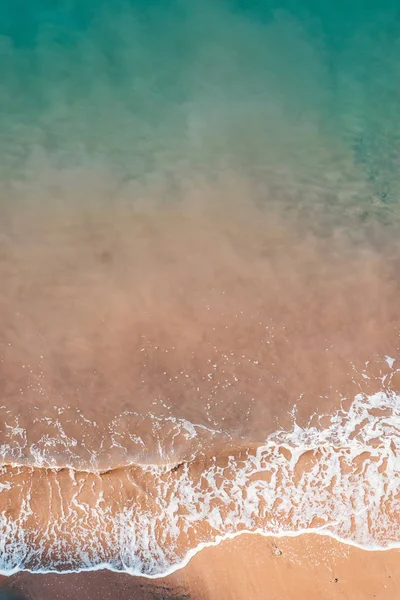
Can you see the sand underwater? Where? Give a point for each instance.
(199, 315)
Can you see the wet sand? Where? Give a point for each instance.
(249, 567)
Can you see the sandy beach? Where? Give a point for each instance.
(308, 567)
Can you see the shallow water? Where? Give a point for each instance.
(199, 268)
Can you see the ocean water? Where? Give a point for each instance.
(199, 278)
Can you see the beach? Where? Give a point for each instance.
(250, 566)
(199, 299)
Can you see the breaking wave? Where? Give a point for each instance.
(338, 476)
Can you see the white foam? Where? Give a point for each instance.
(341, 480)
(390, 361)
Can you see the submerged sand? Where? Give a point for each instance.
(126, 320)
(185, 335)
(249, 567)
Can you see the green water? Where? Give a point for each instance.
(302, 94)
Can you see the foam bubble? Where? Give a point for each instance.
(342, 479)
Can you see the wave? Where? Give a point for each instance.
(338, 476)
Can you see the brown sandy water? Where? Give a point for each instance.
(142, 330)
(167, 359)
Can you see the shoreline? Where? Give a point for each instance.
(153, 524)
(307, 566)
(204, 546)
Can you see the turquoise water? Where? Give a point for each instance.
(167, 87)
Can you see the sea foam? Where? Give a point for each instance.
(338, 476)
